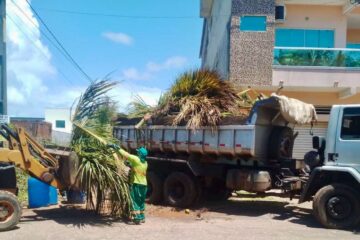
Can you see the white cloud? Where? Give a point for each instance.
(134, 74)
(30, 72)
(175, 62)
(15, 96)
(119, 37)
(170, 63)
(125, 93)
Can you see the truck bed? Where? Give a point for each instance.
(235, 140)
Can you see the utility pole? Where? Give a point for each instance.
(3, 82)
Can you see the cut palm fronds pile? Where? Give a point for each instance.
(198, 98)
(102, 175)
(138, 107)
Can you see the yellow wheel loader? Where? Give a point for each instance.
(57, 168)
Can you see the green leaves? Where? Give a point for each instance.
(101, 173)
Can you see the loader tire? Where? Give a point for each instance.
(155, 188)
(281, 143)
(337, 206)
(10, 211)
(180, 190)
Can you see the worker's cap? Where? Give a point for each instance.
(142, 153)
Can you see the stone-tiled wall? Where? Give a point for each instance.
(251, 53)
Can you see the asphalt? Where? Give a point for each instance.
(269, 219)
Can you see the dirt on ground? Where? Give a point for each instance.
(237, 218)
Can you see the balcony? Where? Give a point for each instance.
(317, 57)
(329, 69)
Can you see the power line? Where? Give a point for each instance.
(118, 15)
(60, 44)
(36, 46)
(41, 31)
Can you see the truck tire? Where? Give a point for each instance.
(337, 206)
(179, 190)
(155, 188)
(10, 211)
(281, 143)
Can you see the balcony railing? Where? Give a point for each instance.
(317, 57)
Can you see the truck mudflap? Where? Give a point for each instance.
(313, 184)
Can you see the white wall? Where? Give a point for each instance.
(53, 114)
(215, 52)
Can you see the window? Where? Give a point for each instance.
(279, 12)
(304, 38)
(350, 128)
(353, 45)
(60, 123)
(253, 23)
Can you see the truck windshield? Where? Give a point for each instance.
(350, 128)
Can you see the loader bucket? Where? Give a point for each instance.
(68, 167)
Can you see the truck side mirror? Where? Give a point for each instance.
(318, 143)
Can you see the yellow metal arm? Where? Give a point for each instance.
(30, 156)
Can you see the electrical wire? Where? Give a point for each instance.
(118, 15)
(60, 44)
(36, 46)
(41, 31)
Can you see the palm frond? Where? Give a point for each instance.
(198, 98)
(101, 173)
(138, 107)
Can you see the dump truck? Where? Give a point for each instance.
(186, 165)
(56, 167)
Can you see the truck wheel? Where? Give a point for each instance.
(155, 188)
(179, 190)
(337, 206)
(10, 211)
(281, 143)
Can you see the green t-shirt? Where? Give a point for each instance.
(139, 168)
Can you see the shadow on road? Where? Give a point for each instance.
(279, 210)
(69, 215)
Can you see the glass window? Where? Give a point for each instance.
(253, 23)
(350, 128)
(353, 45)
(60, 123)
(326, 38)
(304, 38)
(279, 12)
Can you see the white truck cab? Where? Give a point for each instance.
(334, 183)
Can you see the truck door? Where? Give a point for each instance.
(347, 146)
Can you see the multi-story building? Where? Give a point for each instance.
(310, 47)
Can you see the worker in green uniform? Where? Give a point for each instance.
(138, 180)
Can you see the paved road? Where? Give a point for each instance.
(234, 219)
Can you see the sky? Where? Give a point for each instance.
(143, 44)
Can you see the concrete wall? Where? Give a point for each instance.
(61, 138)
(251, 53)
(39, 130)
(53, 114)
(316, 77)
(319, 98)
(317, 17)
(215, 52)
(353, 35)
